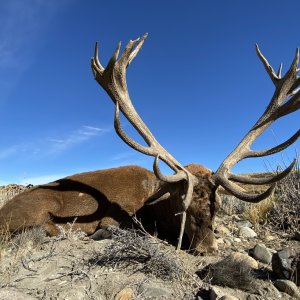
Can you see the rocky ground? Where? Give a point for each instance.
(134, 265)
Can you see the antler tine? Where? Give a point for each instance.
(286, 99)
(279, 71)
(95, 61)
(274, 77)
(232, 189)
(265, 179)
(275, 149)
(126, 138)
(113, 81)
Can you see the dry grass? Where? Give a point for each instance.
(257, 213)
(281, 210)
(21, 242)
(9, 241)
(70, 232)
(285, 214)
(31, 238)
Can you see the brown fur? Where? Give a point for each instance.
(111, 197)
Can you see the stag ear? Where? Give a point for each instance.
(157, 198)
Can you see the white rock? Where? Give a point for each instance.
(244, 223)
(288, 287)
(247, 232)
(262, 253)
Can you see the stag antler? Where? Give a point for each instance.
(286, 99)
(113, 80)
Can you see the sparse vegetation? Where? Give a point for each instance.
(229, 273)
(285, 214)
(32, 237)
(135, 251)
(19, 243)
(257, 213)
(281, 211)
(70, 232)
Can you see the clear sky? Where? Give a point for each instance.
(197, 81)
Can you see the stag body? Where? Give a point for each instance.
(111, 197)
(99, 198)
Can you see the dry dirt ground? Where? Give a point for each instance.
(133, 265)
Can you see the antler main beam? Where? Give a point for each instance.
(286, 99)
(113, 81)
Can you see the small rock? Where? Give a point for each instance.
(269, 237)
(288, 287)
(149, 290)
(237, 240)
(73, 294)
(218, 293)
(102, 233)
(244, 223)
(286, 264)
(266, 291)
(247, 232)
(262, 253)
(125, 294)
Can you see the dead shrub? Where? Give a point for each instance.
(70, 232)
(22, 241)
(229, 273)
(5, 241)
(285, 214)
(31, 237)
(136, 252)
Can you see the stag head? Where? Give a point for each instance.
(192, 190)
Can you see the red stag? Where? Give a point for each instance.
(185, 202)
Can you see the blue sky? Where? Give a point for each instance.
(197, 81)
